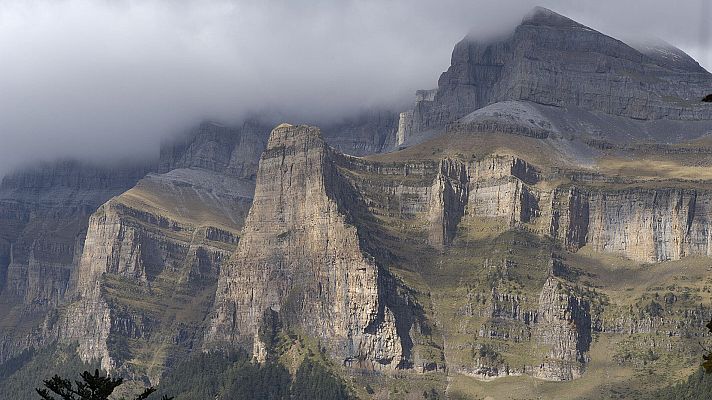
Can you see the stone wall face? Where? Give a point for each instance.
(299, 253)
(647, 225)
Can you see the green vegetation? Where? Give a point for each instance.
(235, 376)
(19, 375)
(314, 381)
(295, 368)
(92, 387)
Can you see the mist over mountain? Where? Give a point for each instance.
(111, 79)
(532, 222)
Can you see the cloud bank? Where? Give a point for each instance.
(102, 79)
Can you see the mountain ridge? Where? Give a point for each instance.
(520, 222)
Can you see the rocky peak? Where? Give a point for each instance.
(541, 16)
(667, 55)
(287, 135)
(551, 60)
(298, 255)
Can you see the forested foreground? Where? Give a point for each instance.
(206, 376)
(236, 377)
(20, 376)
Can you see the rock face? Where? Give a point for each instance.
(644, 224)
(559, 323)
(503, 189)
(300, 256)
(552, 60)
(564, 324)
(232, 151)
(648, 225)
(44, 212)
(448, 199)
(149, 269)
(368, 132)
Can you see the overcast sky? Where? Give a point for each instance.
(105, 79)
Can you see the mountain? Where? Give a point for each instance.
(44, 212)
(538, 226)
(575, 73)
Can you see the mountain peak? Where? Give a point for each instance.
(288, 135)
(541, 16)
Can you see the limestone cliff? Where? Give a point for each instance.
(300, 255)
(234, 151)
(449, 197)
(644, 224)
(564, 325)
(149, 268)
(502, 188)
(44, 211)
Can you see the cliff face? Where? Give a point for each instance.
(648, 225)
(300, 256)
(645, 224)
(448, 199)
(149, 269)
(502, 189)
(552, 60)
(368, 132)
(564, 324)
(44, 212)
(233, 151)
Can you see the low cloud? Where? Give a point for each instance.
(109, 79)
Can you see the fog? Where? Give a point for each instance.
(101, 80)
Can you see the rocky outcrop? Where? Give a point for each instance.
(556, 328)
(563, 325)
(405, 126)
(448, 201)
(501, 187)
(44, 212)
(149, 270)
(300, 255)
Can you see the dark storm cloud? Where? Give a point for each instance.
(108, 79)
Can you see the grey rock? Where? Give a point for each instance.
(554, 61)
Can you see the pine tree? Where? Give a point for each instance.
(92, 387)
